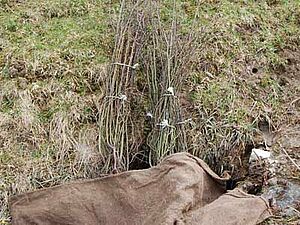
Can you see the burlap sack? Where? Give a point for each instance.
(180, 190)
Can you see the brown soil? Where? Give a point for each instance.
(290, 73)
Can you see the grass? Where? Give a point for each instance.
(52, 60)
(53, 39)
(234, 84)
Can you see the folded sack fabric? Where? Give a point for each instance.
(182, 189)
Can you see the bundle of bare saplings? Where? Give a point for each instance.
(159, 56)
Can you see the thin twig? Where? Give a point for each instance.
(290, 158)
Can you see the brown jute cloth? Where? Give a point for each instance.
(182, 189)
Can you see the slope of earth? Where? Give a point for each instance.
(243, 91)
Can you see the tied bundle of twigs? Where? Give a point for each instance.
(167, 61)
(115, 125)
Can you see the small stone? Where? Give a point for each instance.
(273, 181)
(257, 154)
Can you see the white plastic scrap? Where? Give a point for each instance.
(171, 91)
(135, 66)
(149, 114)
(257, 154)
(164, 124)
(123, 97)
(185, 121)
(123, 64)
